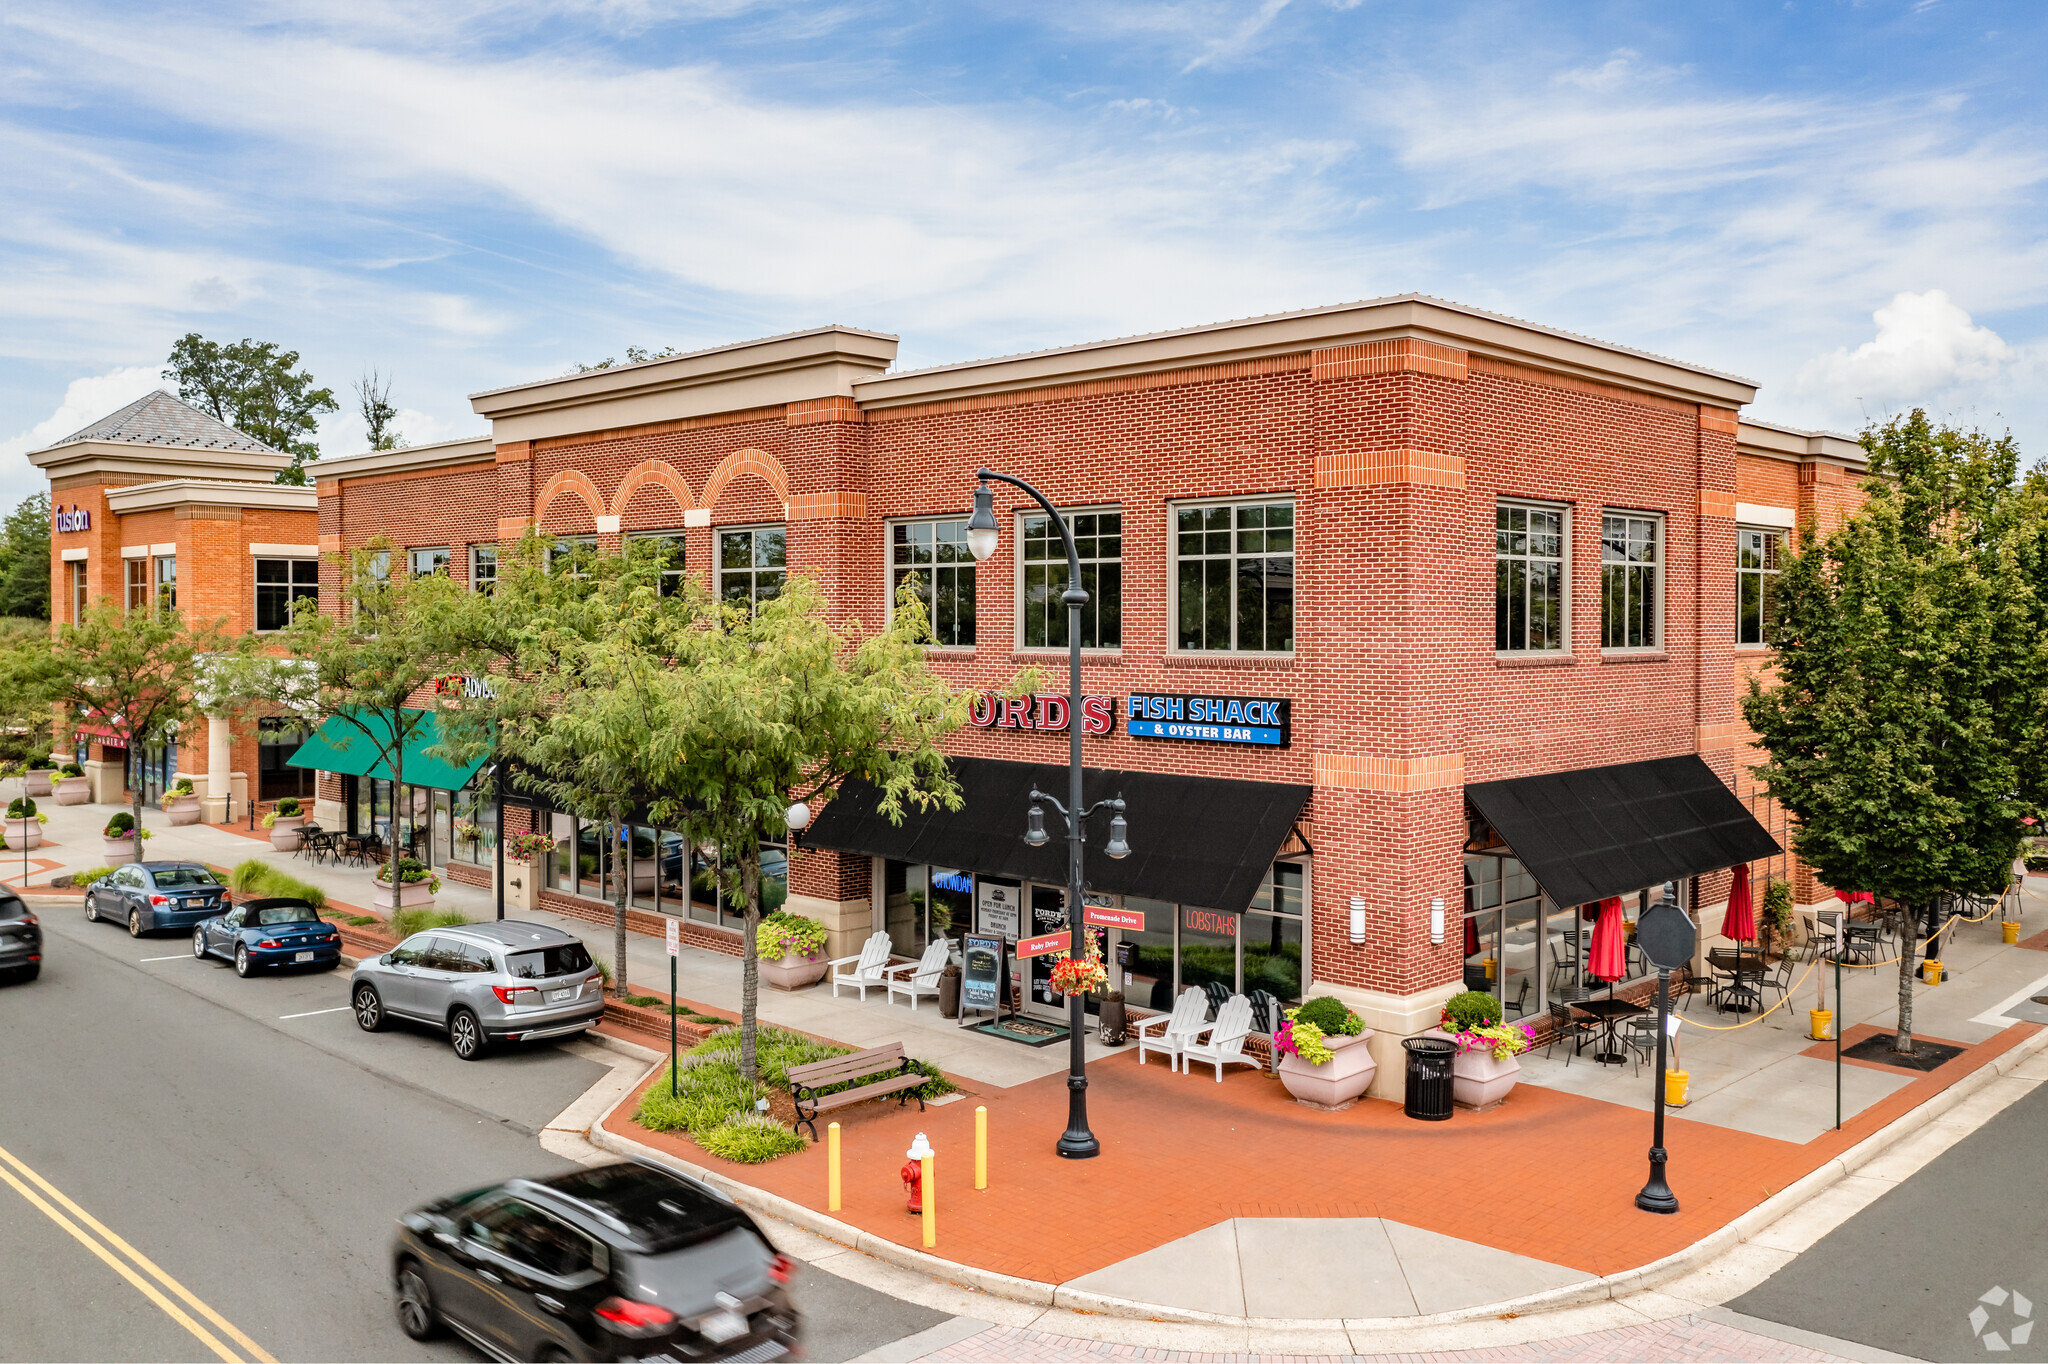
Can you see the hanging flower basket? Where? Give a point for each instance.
(1079, 977)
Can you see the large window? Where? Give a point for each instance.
(430, 560)
(1235, 567)
(483, 568)
(1099, 539)
(1529, 578)
(78, 590)
(279, 583)
(936, 553)
(167, 582)
(667, 546)
(135, 584)
(1757, 555)
(752, 562)
(1631, 561)
(572, 554)
(277, 739)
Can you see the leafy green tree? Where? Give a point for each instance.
(25, 559)
(252, 387)
(1904, 725)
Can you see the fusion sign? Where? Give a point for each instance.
(1260, 720)
(76, 519)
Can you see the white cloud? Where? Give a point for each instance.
(86, 400)
(1925, 346)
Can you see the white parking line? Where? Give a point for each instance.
(342, 1009)
(180, 956)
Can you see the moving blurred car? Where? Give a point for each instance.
(21, 938)
(627, 1261)
(506, 981)
(272, 932)
(148, 896)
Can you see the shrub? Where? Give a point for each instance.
(783, 934)
(604, 969)
(288, 807)
(90, 875)
(361, 920)
(1329, 1015)
(750, 1138)
(71, 770)
(258, 878)
(407, 922)
(1777, 905)
(1468, 1010)
(21, 807)
(120, 826)
(182, 787)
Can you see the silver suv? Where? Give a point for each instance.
(492, 982)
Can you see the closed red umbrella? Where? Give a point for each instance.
(1739, 922)
(1608, 959)
(1471, 937)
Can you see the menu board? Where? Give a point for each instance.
(997, 907)
(983, 973)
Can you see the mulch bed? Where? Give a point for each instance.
(1927, 1054)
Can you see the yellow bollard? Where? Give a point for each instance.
(931, 1204)
(981, 1146)
(2010, 931)
(832, 1168)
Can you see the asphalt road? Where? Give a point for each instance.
(250, 1141)
(1905, 1274)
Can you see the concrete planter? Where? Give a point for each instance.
(794, 972)
(284, 832)
(411, 895)
(119, 851)
(1477, 1080)
(39, 780)
(182, 809)
(73, 790)
(24, 833)
(1337, 1082)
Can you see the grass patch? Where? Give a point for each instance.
(642, 1001)
(750, 1139)
(407, 922)
(258, 878)
(362, 920)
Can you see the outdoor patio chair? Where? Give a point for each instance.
(1639, 1035)
(1566, 1028)
(1779, 980)
(1170, 1033)
(1266, 1013)
(1224, 1041)
(1217, 994)
(1822, 939)
(863, 971)
(1682, 983)
(920, 977)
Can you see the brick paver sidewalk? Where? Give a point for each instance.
(1680, 1338)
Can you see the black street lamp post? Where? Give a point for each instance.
(1077, 1142)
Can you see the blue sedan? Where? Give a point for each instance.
(148, 896)
(277, 932)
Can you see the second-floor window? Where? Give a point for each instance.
(936, 553)
(1528, 578)
(79, 583)
(279, 583)
(483, 568)
(572, 554)
(752, 562)
(1234, 566)
(1757, 554)
(1631, 564)
(1099, 540)
(135, 584)
(167, 582)
(426, 561)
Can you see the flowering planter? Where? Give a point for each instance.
(73, 790)
(39, 780)
(24, 833)
(1477, 1080)
(284, 832)
(411, 895)
(794, 972)
(1337, 1082)
(182, 809)
(119, 851)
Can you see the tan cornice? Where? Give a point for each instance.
(411, 459)
(128, 458)
(1769, 440)
(193, 492)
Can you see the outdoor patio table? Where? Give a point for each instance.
(1609, 1011)
(1743, 966)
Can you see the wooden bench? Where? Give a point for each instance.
(890, 1071)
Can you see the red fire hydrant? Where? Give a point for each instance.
(912, 1175)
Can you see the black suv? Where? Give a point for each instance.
(627, 1261)
(21, 938)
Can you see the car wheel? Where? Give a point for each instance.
(465, 1034)
(416, 1314)
(243, 966)
(134, 923)
(369, 1008)
(199, 944)
(92, 909)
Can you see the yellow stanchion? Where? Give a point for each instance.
(931, 1203)
(981, 1146)
(832, 1168)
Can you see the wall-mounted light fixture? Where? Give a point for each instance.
(1358, 918)
(1436, 920)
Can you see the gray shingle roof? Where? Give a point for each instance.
(160, 419)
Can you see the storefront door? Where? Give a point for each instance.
(444, 828)
(1048, 907)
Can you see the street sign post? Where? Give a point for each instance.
(1667, 938)
(675, 950)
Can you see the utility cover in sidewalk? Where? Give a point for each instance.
(1926, 1055)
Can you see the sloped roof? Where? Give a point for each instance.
(160, 419)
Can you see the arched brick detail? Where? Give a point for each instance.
(759, 463)
(652, 471)
(568, 481)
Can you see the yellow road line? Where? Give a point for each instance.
(149, 1290)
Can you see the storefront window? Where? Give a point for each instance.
(952, 904)
(905, 892)
(277, 739)
(1148, 978)
(704, 883)
(1208, 948)
(473, 811)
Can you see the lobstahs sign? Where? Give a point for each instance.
(1044, 713)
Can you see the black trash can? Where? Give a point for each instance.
(1429, 1078)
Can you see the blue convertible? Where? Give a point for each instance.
(258, 933)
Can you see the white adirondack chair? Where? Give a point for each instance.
(1170, 1033)
(1224, 1043)
(919, 977)
(864, 971)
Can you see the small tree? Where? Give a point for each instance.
(373, 400)
(1904, 725)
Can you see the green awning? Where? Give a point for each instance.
(341, 745)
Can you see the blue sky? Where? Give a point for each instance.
(1842, 200)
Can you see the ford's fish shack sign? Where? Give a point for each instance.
(1259, 720)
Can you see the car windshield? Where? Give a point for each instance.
(565, 960)
(265, 915)
(183, 878)
(664, 1212)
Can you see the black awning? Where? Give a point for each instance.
(1194, 840)
(1602, 831)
